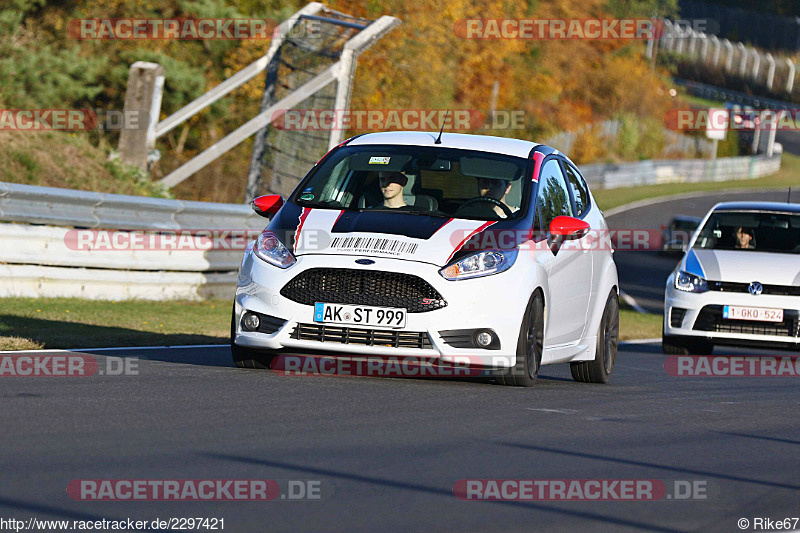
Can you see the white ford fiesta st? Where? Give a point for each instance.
(739, 281)
(436, 246)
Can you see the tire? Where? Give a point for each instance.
(599, 370)
(670, 346)
(529, 347)
(682, 346)
(248, 357)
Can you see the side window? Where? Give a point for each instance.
(579, 189)
(553, 197)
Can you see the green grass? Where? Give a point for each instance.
(30, 323)
(788, 175)
(633, 325)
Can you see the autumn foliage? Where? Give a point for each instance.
(422, 64)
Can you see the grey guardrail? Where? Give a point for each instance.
(651, 172)
(84, 209)
(36, 258)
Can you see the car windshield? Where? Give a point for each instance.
(756, 231)
(431, 181)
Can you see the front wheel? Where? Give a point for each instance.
(599, 370)
(529, 347)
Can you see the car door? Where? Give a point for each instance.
(570, 268)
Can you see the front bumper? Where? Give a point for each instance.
(494, 302)
(702, 318)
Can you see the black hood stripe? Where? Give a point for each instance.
(413, 226)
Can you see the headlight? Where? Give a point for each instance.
(480, 264)
(269, 248)
(689, 282)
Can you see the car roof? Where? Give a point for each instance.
(758, 206)
(482, 143)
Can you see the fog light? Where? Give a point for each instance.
(483, 339)
(251, 321)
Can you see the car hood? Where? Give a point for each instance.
(743, 266)
(400, 235)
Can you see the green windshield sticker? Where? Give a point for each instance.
(307, 197)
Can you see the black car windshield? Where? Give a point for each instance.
(755, 231)
(424, 180)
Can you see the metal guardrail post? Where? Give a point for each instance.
(143, 103)
(770, 71)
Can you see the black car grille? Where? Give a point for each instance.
(363, 287)
(729, 286)
(363, 336)
(676, 316)
(710, 319)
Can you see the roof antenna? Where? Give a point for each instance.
(789, 197)
(439, 138)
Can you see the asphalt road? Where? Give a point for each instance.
(642, 274)
(388, 451)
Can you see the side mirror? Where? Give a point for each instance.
(267, 205)
(568, 228)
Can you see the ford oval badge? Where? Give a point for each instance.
(365, 261)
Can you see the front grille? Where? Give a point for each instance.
(363, 336)
(363, 287)
(710, 319)
(676, 316)
(730, 286)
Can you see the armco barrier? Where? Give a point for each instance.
(99, 284)
(652, 172)
(37, 260)
(65, 207)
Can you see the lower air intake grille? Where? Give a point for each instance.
(366, 337)
(363, 287)
(676, 317)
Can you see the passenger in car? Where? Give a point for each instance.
(745, 238)
(392, 184)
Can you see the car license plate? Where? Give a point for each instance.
(390, 317)
(762, 314)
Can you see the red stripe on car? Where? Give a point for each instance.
(303, 215)
(467, 238)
